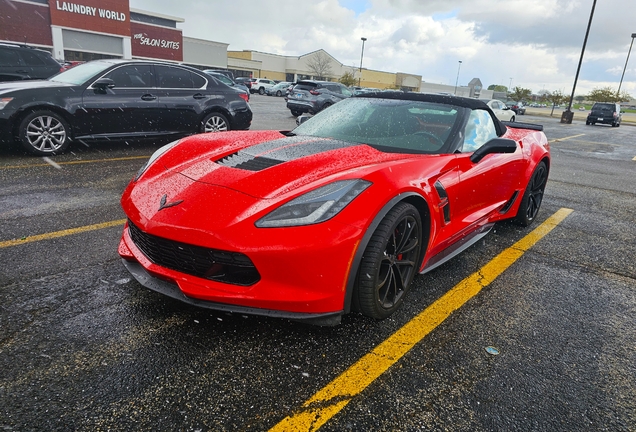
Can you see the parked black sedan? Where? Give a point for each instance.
(117, 99)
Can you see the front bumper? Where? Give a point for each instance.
(304, 278)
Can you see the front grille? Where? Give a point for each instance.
(221, 266)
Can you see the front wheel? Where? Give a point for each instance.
(533, 196)
(261, 91)
(278, 93)
(214, 122)
(390, 262)
(512, 118)
(44, 133)
(296, 113)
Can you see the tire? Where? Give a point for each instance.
(389, 264)
(587, 123)
(214, 122)
(533, 196)
(261, 91)
(44, 133)
(512, 118)
(296, 113)
(325, 106)
(278, 93)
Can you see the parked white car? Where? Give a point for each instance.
(501, 110)
(260, 85)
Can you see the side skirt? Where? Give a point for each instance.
(456, 248)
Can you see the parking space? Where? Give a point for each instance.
(86, 348)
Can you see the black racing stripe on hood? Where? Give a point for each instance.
(270, 153)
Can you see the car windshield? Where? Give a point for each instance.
(386, 124)
(81, 73)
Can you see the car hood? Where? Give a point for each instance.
(10, 86)
(268, 164)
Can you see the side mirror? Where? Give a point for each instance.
(302, 119)
(495, 145)
(104, 83)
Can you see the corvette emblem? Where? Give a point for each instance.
(164, 204)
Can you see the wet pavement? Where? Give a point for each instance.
(85, 348)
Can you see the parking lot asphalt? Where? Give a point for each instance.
(83, 347)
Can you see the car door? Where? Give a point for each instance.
(487, 185)
(183, 96)
(130, 108)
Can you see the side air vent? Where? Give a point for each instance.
(444, 203)
(510, 202)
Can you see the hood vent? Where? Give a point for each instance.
(281, 150)
(247, 162)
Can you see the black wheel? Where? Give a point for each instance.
(214, 122)
(390, 263)
(261, 91)
(533, 196)
(325, 106)
(44, 133)
(296, 113)
(512, 118)
(278, 93)
(618, 124)
(587, 123)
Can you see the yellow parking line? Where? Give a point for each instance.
(566, 138)
(75, 162)
(328, 401)
(62, 233)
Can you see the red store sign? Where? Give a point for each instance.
(156, 42)
(104, 16)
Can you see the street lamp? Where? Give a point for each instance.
(363, 39)
(457, 80)
(618, 93)
(510, 85)
(568, 115)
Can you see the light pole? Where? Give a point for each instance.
(457, 80)
(363, 39)
(510, 86)
(618, 93)
(568, 115)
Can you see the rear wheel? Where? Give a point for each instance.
(278, 93)
(261, 91)
(533, 196)
(389, 263)
(215, 122)
(296, 113)
(44, 133)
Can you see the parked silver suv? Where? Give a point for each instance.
(314, 96)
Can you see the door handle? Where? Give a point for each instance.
(199, 96)
(148, 97)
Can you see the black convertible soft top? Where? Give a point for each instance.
(459, 101)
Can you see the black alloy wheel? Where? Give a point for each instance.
(214, 122)
(533, 196)
(44, 133)
(390, 263)
(296, 113)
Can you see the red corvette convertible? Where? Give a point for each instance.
(339, 214)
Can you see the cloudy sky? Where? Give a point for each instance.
(534, 44)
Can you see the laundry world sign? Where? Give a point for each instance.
(90, 11)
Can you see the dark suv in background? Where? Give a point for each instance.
(310, 96)
(22, 62)
(606, 113)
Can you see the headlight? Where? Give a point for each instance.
(4, 102)
(316, 206)
(154, 157)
